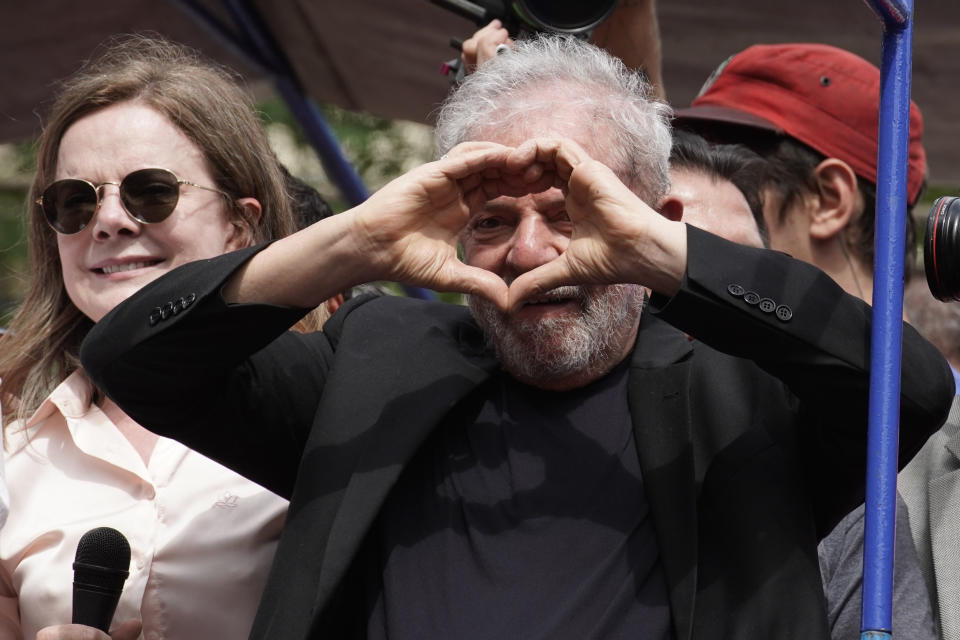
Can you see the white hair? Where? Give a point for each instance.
(528, 80)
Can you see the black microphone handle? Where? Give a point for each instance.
(93, 606)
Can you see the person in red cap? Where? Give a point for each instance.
(812, 111)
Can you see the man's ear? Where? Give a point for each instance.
(246, 217)
(671, 208)
(838, 199)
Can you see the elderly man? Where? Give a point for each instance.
(560, 460)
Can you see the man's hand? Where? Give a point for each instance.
(482, 45)
(129, 630)
(408, 231)
(616, 238)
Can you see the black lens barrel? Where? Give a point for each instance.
(574, 17)
(569, 16)
(941, 249)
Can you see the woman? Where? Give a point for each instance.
(151, 158)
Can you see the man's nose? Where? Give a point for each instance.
(534, 243)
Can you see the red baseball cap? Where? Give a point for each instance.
(822, 96)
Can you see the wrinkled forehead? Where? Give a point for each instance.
(545, 202)
(544, 117)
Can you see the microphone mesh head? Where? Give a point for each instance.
(104, 547)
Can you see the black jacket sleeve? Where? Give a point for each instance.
(184, 364)
(797, 324)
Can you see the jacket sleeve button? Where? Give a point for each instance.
(735, 290)
(751, 298)
(784, 313)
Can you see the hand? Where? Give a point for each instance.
(129, 630)
(482, 45)
(408, 231)
(616, 237)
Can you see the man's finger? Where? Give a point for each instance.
(472, 145)
(460, 163)
(564, 155)
(534, 282)
(480, 282)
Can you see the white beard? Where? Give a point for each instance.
(559, 347)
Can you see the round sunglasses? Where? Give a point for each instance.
(148, 195)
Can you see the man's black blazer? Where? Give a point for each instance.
(751, 448)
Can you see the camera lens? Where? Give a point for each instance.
(567, 16)
(941, 249)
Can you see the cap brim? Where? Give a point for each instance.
(710, 113)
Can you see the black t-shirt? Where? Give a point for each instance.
(523, 516)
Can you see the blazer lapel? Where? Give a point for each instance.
(944, 498)
(658, 396)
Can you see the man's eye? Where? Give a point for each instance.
(487, 223)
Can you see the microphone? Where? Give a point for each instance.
(100, 568)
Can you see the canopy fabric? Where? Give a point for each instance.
(384, 56)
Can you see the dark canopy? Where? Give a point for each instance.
(384, 56)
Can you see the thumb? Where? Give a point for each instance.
(534, 282)
(128, 630)
(477, 281)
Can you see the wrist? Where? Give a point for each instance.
(663, 256)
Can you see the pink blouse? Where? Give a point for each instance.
(202, 537)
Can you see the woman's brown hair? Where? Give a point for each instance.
(204, 101)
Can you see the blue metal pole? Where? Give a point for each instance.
(235, 42)
(314, 125)
(254, 45)
(887, 333)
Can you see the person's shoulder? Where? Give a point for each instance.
(936, 454)
(933, 464)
